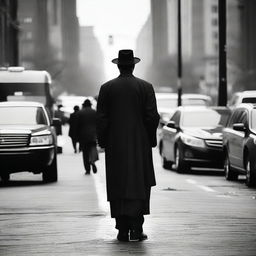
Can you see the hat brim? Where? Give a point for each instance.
(118, 62)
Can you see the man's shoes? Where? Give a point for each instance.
(94, 168)
(136, 236)
(87, 173)
(122, 236)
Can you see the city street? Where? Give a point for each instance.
(191, 214)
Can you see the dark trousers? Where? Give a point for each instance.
(74, 143)
(88, 159)
(87, 165)
(126, 223)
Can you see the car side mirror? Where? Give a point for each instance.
(239, 127)
(57, 124)
(171, 124)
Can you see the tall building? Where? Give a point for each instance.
(144, 49)
(241, 44)
(91, 61)
(9, 51)
(199, 43)
(49, 38)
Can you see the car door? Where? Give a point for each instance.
(239, 146)
(235, 140)
(169, 134)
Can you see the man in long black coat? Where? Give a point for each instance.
(127, 123)
(86, 131)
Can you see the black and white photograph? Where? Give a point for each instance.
(127, 127)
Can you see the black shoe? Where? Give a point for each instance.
(87, 173)
(122, 236)
(136, 235)
(94, 168)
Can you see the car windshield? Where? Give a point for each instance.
(254, 119)
(22, 115)
(172, 103)
(204, 118)
(166, 103)
(23, 92)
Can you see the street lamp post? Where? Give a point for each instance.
(179, 55)
(222, 93)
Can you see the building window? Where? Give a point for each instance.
(27, 20)
(215, 34)
(214, 8)
(215, 22)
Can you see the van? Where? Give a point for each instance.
(18, 84)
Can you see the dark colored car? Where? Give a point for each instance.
(28, 140)
(239, 141)
(193, 138)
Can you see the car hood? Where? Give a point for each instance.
(205, 133)
(23, 128)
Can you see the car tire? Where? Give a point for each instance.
(250, 174)
(180, 165)
(51, 173)
(230, 174)
(5, 177)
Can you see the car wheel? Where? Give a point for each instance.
(5, 177)
(180, 165)
(230, 174)
(51, 174)
(250, 174)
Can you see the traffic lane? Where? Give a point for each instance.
(197, 219)
(188, 217)
(209, 180)
(49, 218)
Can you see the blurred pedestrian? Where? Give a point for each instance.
(86, 130)
(73, 128)
(127, 123)
(58, 113)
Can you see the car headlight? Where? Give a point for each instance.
(192, 141)
(41, 140)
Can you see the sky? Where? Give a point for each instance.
(122, 19)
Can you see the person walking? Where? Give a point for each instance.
(127, 120)
(86, 130)
(72, 133)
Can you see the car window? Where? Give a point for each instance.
(204, 118)
(176, 117)
(22, 116)
(243, 118)
(249, 100)
(235, 117)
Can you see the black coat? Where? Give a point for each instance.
(86, 125)
(127, 123)
(73, 125)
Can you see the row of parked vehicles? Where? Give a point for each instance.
(211, 137)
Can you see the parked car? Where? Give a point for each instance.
(242, 97)
(168, 102)
(28, 140)
(19, 84)
(239, 141)
(193, 138)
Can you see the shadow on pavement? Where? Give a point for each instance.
(21, 183)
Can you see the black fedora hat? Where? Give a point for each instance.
(125, 57)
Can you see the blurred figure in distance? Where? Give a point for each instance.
(73, 128)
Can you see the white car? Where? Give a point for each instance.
(168, 102)
(242, 97)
